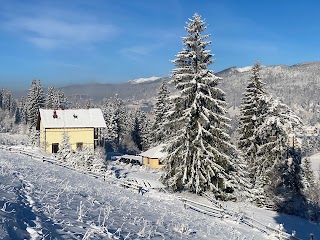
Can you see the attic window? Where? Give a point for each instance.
(75, 116)
(55, 114)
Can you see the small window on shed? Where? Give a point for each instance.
(79, 145)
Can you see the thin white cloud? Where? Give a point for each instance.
(41, 42)
(56, 30)
(136, 51)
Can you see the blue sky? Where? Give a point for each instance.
(111, 41)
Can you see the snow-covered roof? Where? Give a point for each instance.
(156, 152)
(72, 118)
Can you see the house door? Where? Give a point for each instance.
(55, 147)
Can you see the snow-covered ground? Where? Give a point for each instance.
(40, 200)
(244, 69)
(315, 164)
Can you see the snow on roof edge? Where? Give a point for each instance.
(72, 118)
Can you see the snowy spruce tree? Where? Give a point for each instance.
(50, 97)
(56, 99)
(277, 168)
(65, 151)
(84, 159)
(252, 114)
(99, 160)
(35, 100)
(137, 130)
(162, 108)
(199, 152)
(141, 131)
(310, 185)
(114, 113)
(147, 133)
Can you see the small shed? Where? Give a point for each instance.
(153, 157)
(83, 126)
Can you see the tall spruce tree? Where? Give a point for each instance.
(115, 115)
(199, 152)
(162, 108)
(310, 186)
(35, 100)
(50, 97)
(56, 99)
(137, 130)
(252, 115)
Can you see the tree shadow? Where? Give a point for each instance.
(290, 200)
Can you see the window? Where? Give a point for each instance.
(55, 147)
(79, 145)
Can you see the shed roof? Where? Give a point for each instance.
(72, 118)
(156, 152)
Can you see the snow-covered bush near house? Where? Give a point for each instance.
(13, 139)
(99, 160)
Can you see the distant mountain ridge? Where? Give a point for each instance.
(298, 85)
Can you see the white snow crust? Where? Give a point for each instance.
(72, 118)
(143, 80)
(244, 69)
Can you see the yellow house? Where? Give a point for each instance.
(83, 127)
(154, 156)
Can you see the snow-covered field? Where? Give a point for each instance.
(39, 200)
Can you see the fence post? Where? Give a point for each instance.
(184, 204)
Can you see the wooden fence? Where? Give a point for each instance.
(239, 217)
(124, 183)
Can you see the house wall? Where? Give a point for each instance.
(152, 162)
(76, 135)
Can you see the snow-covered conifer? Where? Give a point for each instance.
(147, 134)
(99, 160)
(65, 151)
(34, 136)
(56, 99)
(115, 116)
(35, 100)
(310, 186)
(84, 159)
(252, 113)
(199, 151)
(137, 130)
(272, 164)
(162, 108)
(50, 97)
(141, 130)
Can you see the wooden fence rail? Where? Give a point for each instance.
(124, 183)
(238, 217)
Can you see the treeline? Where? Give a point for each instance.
(128, 130)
